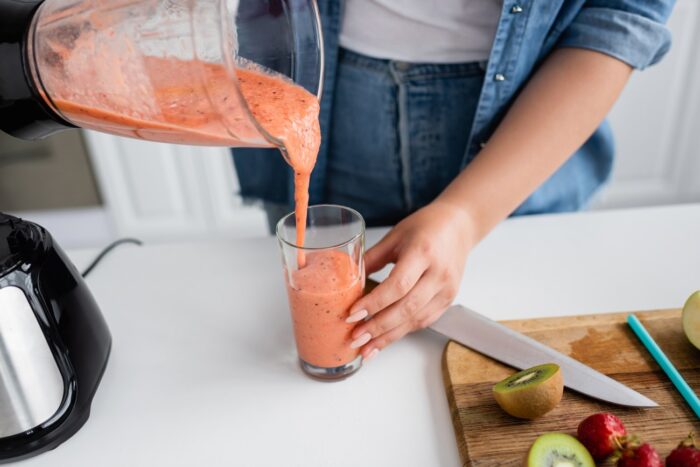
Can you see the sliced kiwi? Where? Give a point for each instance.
(558, 450)
(530, 393)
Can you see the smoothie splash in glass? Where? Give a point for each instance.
(323, 288)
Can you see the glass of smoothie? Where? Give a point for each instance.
(324, 278)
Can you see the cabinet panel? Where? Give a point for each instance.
(167, 192)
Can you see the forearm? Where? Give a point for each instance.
(556, 112)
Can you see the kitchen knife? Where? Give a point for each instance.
(501, 343)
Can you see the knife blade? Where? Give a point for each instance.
(501, 343)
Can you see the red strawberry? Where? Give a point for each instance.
(641, 456)
(685, 455)
(603, 434)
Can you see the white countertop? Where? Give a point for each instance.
(203, 369)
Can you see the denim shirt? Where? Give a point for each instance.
(632, 31)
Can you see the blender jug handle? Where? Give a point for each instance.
(23, 113)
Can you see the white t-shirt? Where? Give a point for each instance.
(421, 31)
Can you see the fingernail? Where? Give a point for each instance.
(371, 355)
(360, 341)
(357, 316)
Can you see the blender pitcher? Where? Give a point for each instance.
(158, 70)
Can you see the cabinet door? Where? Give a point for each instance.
(167, 192)
(656, 124)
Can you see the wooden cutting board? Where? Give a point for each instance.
(486, 436)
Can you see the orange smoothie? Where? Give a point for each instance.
(193, 102)
(320, 296)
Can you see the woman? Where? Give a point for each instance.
(447, 116)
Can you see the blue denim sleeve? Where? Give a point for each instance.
(633, 31)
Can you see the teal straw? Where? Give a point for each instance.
(686, 391)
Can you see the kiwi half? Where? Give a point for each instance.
(530, 393)
(558, 450)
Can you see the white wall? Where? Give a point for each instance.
(657, 124)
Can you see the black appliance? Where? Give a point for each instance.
(54, 342)
(23, 112)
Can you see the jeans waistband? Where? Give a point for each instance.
(410, 70)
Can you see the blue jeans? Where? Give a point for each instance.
(398, 134)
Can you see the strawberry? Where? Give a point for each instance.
(685, 455)
(603, 434)
(640, 456)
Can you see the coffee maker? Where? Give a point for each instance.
(54, 342)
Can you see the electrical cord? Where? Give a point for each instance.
(107, 250)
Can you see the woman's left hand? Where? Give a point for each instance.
(429, 249)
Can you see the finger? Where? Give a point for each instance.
(372, 348)
(401, 280)
(430, 314)
(381, 254)
(404, 311)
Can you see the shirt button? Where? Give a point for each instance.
(499, 77)
(516, 9)
(482, 144)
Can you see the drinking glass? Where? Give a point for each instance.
(324, 278)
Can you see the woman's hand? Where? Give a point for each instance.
(562, 104)
(429, 249)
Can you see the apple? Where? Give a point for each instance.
(691, 319)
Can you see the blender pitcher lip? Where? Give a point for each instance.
(231, 68)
